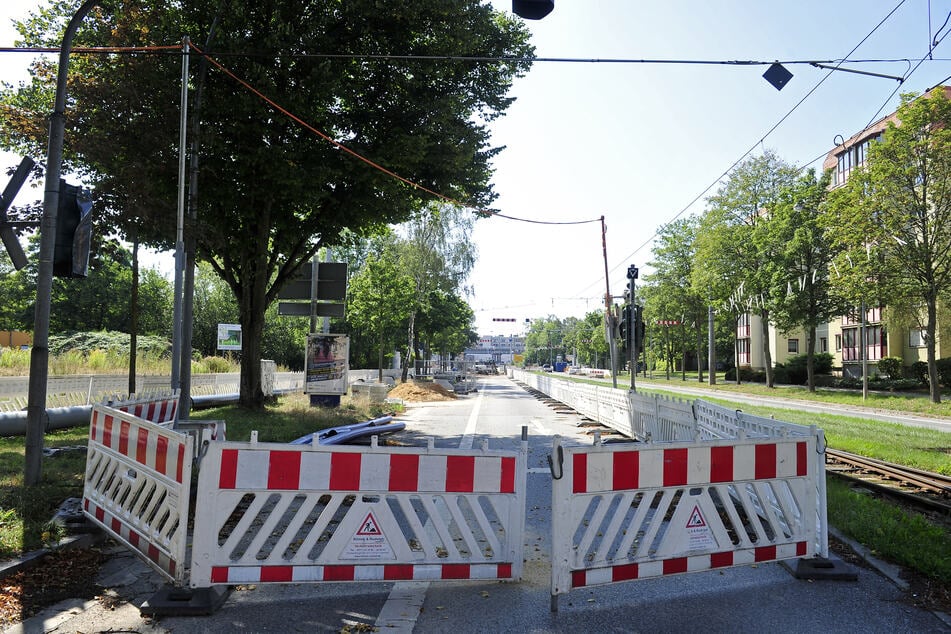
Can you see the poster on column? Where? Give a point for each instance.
(327, 364)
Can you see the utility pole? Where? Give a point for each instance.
(40, 353)
(608, 316)
(711, 348)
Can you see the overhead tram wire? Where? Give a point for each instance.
(753, 147)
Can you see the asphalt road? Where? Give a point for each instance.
(746, 599)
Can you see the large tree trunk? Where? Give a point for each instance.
(410, 347)
(767, 355)
(134, 314)
(811, 358)
(253, 304)
(934, 387)
(699, 352)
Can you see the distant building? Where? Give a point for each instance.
(496, 348)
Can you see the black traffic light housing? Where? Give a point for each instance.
(532, 9)
(73, 232)
(637, 327)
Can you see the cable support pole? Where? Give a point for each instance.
(608, 317)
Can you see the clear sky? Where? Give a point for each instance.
(640, 144)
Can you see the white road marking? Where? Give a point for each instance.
(405, 601)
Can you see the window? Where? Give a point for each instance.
(838, 343)
(743, 325)
(823, 344)
(850, 344)
(793, 346)
(743, 351)
(917, 338)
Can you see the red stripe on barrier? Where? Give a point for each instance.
(764, 553)
(802, 459)
(219, 574)
(721, 560)
(153, 553)
(460, 473)
(626, 572)
(504, 571)
(229, 469)
(161, 454)
(283, 470)
(142, 446)
(507, 484)
(100, 514)
(675, 467)
(765, 462)
(625, 470)
(171, 567)
(455, 571)
(578, 579)
(151, 415)
(107, 432)
(801, 549)
(338, 573)
(345, 472)
(181, 463)
(86, 503)
(398, 572)
(115, 525)
(124, 427)
(94, 425)
(579, 473)
(721, 464)
(675, 566)
(404, 472)
(277, 574)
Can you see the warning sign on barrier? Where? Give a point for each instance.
(369, 543)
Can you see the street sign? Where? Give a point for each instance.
(302, 309)
(10, 240)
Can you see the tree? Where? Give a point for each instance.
(734, 244)
(446, 326)
(380, 298)
(674, 259)
(891, 221)
(271, 194)
(438, 252)
(802, 294)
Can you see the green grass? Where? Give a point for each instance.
(25, 513)
(903, 538)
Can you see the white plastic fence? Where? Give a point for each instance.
(69, 391)
(268, 513)
(711, 487)
(137, 481)
(276, 513)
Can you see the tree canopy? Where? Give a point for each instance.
(271, 192)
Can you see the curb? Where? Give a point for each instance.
(31, 559)
(887, 570)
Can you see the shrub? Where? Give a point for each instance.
(890, 367)
(216, 365)
(944, 372)
(919, 372)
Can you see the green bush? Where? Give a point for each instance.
(217, 365)
(890, 367)
(796, 367)
(919, 372)
(944, 372)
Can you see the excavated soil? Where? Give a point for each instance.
(421, 392)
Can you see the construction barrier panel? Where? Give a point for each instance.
(137, 482)
(624, 512)
(269, 513)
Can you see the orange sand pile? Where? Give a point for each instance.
(423, 391)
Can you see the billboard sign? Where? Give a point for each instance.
(327, 364)
(229, 336)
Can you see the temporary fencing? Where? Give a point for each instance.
(136, 485)
(281, 513)
(711, 488)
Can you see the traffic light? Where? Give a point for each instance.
(624, 326)
(532, 9)
(73, 232)
(638, 328)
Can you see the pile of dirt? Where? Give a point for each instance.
(421, 391)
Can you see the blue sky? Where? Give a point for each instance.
(638, 143)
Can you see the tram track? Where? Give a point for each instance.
(923, 489)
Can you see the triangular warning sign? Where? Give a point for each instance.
(369, 527)
(696, 519)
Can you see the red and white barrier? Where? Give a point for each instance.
(136, 485)
(268, 513)
(624, 512)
